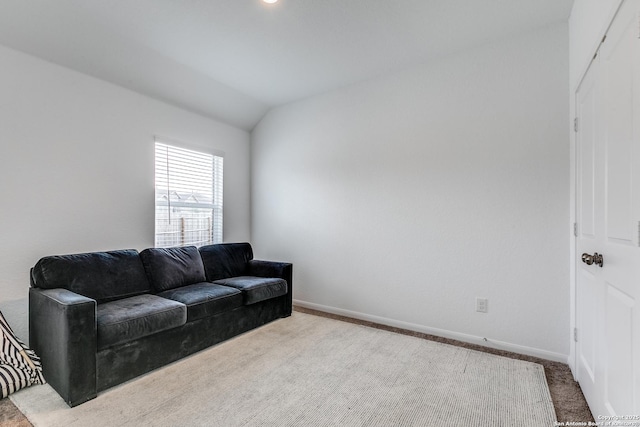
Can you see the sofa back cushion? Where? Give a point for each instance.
(226, 260)
(169, 268)
(103, 276)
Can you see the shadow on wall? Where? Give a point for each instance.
(15, 311)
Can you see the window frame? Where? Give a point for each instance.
(192, 210)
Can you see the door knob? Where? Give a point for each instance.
(596, 259)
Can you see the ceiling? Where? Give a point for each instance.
(232, 60)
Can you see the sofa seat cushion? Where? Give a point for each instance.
(131, 318)
(256, 289)
(205, 299)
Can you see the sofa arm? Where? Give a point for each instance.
(63, 332)
(282, 270)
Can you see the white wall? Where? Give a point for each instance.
(404, 198)
(77, 169)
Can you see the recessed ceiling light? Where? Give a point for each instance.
(270, 1)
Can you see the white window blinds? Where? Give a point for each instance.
(188, 197)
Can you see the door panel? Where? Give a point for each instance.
(618, 94)
(588, 324)
(619, 364)
(608, 213)
(588, 311)
(587, 112)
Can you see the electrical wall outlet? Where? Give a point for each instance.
(482, 305)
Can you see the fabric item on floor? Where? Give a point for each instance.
(19, 365)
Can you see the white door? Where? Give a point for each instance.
(608, 215)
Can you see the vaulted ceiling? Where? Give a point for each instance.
(232, 60)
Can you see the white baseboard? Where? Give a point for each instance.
(501, 345)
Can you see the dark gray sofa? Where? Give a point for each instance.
(99, 319)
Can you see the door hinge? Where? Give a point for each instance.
(575, 228)
(575, 334)
(575, 124)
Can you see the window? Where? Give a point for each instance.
(188, 197)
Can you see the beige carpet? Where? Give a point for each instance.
(314, 371)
